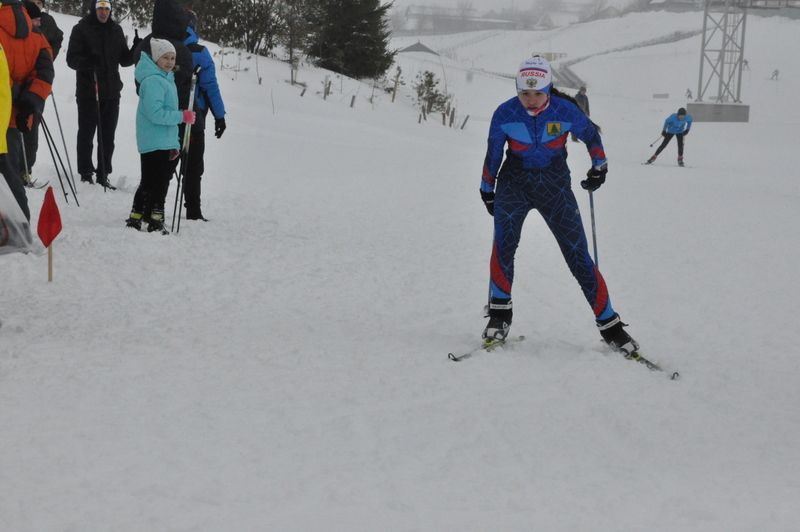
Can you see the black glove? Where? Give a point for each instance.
(24, 111)
(22, 122)
(685, 132)
(664, 133)
(594, 178)
(488, 200)
(219, 127)
(136, 38)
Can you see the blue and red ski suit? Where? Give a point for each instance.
(535, 175)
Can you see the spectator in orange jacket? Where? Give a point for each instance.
(31, 70)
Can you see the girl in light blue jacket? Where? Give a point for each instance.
(157, 119)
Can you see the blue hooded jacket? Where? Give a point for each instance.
(674, 125)
(208, 94)
(157, 116)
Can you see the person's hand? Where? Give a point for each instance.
(664, 133)
(22, 121)
(219, 127)
(188, 117)
(136, 38)
(594, 178)
(488, 201)
(685, 132)
(24, 112)
(173, 154)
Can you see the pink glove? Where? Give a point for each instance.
(188, 117)
(173, 154)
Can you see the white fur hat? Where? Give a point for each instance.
(159, 47)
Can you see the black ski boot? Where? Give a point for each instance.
(105, 183)
(680, 160)
(651, 160)
(87, 178)
(615, 336)
(500, 314)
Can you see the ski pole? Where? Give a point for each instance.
(657, 139)
(48, 135)
(63, 140)
(594, 231)
(27, 176)
(58, 173)
(187, 137)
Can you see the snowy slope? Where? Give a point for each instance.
(283, 367)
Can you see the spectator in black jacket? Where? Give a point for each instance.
(97, 48)
(50, 29)
(170, 21)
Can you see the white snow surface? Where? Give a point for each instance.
(284, 366)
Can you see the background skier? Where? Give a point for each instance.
(534, 124)
(676, 125)
(583, 102)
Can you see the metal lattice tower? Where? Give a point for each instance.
(722, 52)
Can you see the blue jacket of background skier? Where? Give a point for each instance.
(208, 94)
(674, 125)
(537, 141)
(158, 115)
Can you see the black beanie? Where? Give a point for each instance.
(32, 9)
(681, 111)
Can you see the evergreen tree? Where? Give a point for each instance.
(351, 37)
(248, 24)
(294, 26)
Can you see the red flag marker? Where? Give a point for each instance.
(49, 227)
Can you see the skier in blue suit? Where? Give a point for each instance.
(532, 128)
(208, 98)
(676, 125)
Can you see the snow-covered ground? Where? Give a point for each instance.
(283, 366)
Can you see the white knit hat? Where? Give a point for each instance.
(534, 75)
(159, 47)
(102, 3)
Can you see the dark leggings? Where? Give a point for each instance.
(547, 190)
(667, 138)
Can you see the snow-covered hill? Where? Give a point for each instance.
(283, 367)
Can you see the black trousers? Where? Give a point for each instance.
(195, 165)
(31, 143)
(87, 125)
(667, 138)
(151, 195)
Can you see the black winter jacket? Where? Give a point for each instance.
(98, 47)
(52, 33)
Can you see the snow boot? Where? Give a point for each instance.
(500, 314)
(651, 160)
(134, 221)
(157, 222)
(615, 336)
(87, 178)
